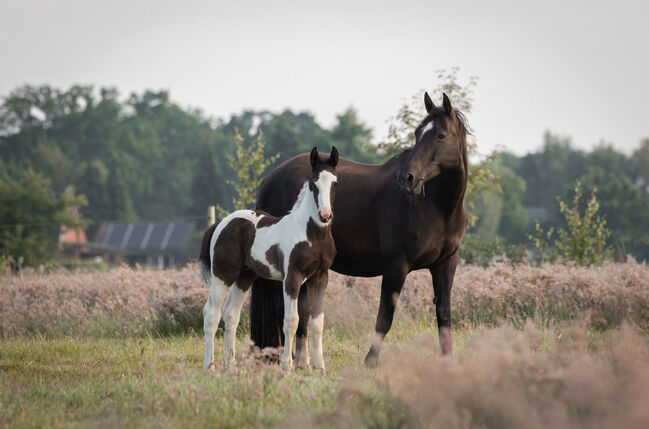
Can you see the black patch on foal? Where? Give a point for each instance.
(307, 259)
(266, 220)
(232, 253)
(275, 257)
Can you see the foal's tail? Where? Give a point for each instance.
(204, 258)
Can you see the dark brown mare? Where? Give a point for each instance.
(407, 214)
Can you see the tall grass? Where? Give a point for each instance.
(125, 301)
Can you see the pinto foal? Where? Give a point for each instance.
(295, 249)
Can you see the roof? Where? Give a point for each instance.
(144, 237)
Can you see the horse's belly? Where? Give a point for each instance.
(364, 266)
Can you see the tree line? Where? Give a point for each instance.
(144, 157)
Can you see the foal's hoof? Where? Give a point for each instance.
(321, 371)
(372, 359)
(286, 366)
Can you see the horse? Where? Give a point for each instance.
(295, 249)
(404, 215)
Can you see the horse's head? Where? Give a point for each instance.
(322, 183)
(439, 145)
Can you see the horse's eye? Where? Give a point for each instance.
(441, 136)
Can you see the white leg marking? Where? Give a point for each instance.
(317, 326)
(231, 316)
(212, 317)
(291, 320)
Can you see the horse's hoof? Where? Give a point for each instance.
(372, 359)
(210, 368)
(286, 366)
(302, 365)
(322, 371)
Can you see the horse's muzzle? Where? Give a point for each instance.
(409, 183)
(325, 216)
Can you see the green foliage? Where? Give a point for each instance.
(476, 250)
(584, 240)
(30, 217)
(249, 165)
(625, 206)
(499, 210)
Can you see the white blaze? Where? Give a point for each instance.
(324, 183)
(429, 126)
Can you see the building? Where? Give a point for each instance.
(162, 244)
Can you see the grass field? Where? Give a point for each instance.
(122, 349)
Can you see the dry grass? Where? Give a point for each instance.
(526, 354)
(505, 378)
(135, 302)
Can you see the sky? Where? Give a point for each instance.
(575, 68)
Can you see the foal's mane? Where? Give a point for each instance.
(300, 196)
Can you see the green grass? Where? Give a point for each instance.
(153, 381)
(158, 382)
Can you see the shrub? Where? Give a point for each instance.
(583, 242)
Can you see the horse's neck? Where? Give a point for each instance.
(305, 207)
(447, 192)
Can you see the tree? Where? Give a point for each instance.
(583, 241)
(626, 209)
(639, 168)
(353, 138)
(31, 215)
(249, 165)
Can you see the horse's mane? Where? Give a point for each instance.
(300, 196)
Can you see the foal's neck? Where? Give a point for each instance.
(305, 206)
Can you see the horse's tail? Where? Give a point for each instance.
(204, 258)
(266, 313)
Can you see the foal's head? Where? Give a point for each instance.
(322, 183)
(440, 145)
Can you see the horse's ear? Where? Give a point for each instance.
(314, 156)
(333, 157)
(447, 105)
(428, 103)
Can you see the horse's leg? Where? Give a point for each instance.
(211, 318)
(316, 310)
(292, 284)
(301, 343)
(232, 314)
(443, 274)
(393, 278)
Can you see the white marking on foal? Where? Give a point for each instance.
(324, 183)
(317, 326)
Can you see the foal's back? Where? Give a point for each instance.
(248, 240)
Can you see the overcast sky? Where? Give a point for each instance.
(577, 68)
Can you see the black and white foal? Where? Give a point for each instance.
(297, 248)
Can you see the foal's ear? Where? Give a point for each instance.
(447, 105)
(333, 157)
(314, 156)
(428, 103)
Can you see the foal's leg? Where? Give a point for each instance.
(393, 277)
(316, 319)
(442, 283)
(292, 284)
(211, 318)
(301, 343)
(232, 314)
